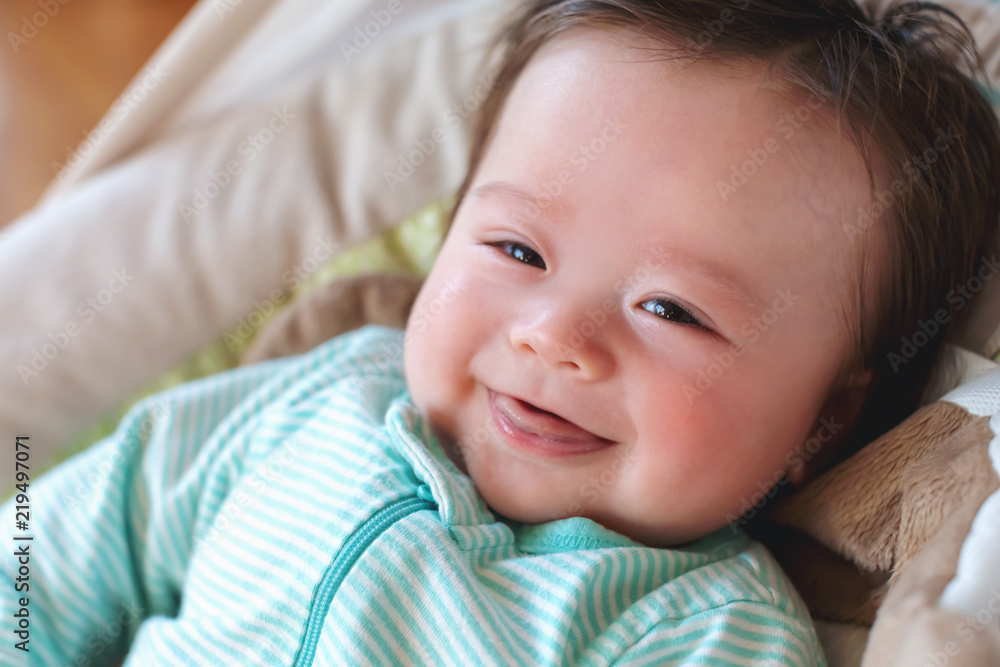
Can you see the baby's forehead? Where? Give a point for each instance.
(756, 136)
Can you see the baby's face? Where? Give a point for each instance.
(607, 331)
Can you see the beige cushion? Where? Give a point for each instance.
(106, 285)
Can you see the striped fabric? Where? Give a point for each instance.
(300, 512)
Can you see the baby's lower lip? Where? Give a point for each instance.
(543, 434)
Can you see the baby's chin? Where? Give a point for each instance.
(659, 534)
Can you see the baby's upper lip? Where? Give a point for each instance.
(531, 416)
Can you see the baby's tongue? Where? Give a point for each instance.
(544, 424)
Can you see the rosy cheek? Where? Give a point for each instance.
(696, 429)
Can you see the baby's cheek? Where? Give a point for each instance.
(699, 444)
(437, 350)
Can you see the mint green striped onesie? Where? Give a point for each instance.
(301, 512)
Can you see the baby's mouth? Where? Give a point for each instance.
(536, 421)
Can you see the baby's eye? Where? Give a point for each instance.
(669, 310)
(520, 252)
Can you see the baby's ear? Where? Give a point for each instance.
(832, 424)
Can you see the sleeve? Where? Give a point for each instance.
(103, 540)
(738, 634)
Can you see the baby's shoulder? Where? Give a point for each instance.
(739, 604)
(729, 568)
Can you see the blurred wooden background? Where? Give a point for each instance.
(57, 80)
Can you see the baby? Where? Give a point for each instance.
(666, 256)
(690, 241)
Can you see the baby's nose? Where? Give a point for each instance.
(565, 341)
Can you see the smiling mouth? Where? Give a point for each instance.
(530, 425)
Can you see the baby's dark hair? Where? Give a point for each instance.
(902, 85)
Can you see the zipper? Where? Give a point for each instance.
(353, 547)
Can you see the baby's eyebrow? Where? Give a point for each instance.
(717, 276)
(549, 207)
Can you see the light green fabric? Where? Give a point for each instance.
(409, 247)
